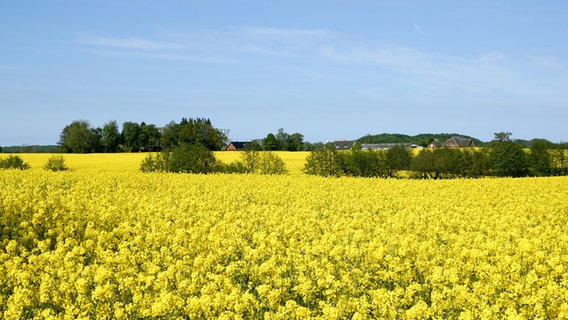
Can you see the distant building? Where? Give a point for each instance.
(386, 146)
(459, 142)
(435, 144)
(236, 145)
(453, 142)
(378, 146)
(344, 144)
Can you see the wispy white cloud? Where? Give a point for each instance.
(308, 51)
(215, 46)
(417, 27)
(491, 57)
(131, 43)
(283, 33)
(488, 79)
(161, 49)
(170, 56)
(396, 58)
(547, 62)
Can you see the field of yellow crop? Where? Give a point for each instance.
(112, 242)
(131, 161)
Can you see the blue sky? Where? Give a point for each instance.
(329, 69)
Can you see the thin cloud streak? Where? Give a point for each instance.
(135, 43)
(183, 57)
(489, 72)
(232, 45)
(417, 27)
(282, 33)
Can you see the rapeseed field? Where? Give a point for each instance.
(106, 241)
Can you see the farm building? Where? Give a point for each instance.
(236, 145)
(453, 142)
(386, 146)
(459, 142)
(343, 144)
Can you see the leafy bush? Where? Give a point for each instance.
(323, 162)
(270, 163)
(356, 163)
(235, 167)
(362, 163)
(192, 158)
(13, 162)
(249, 160)
(186, 158)
(253, 161)
(56, 163)
(157, 162)
(448, 163)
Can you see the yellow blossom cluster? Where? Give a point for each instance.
(94, 244)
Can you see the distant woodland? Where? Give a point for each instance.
(187, 146)
(80, 137)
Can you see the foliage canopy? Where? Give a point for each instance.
(13, 162)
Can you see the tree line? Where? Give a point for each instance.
(80, 137)
(502, 157)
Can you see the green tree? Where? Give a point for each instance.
(480, 163)
(502, 136)
(398, 158)
(508, 159)
(110, 137)
(130, 136)
(296, 142)
(323, 162)
(149, 137)
(192, 158)
(425, 141)
(253, 145)
(96, 139)
(425, 165)
(446, 163)
(77, 137)
(559, 159)
(170, 135)
(314, 146)
(363, 163)
(283, 139)
(540, 158)
(185, 158)
(453, 162)
(270, 143)
(193, 131)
